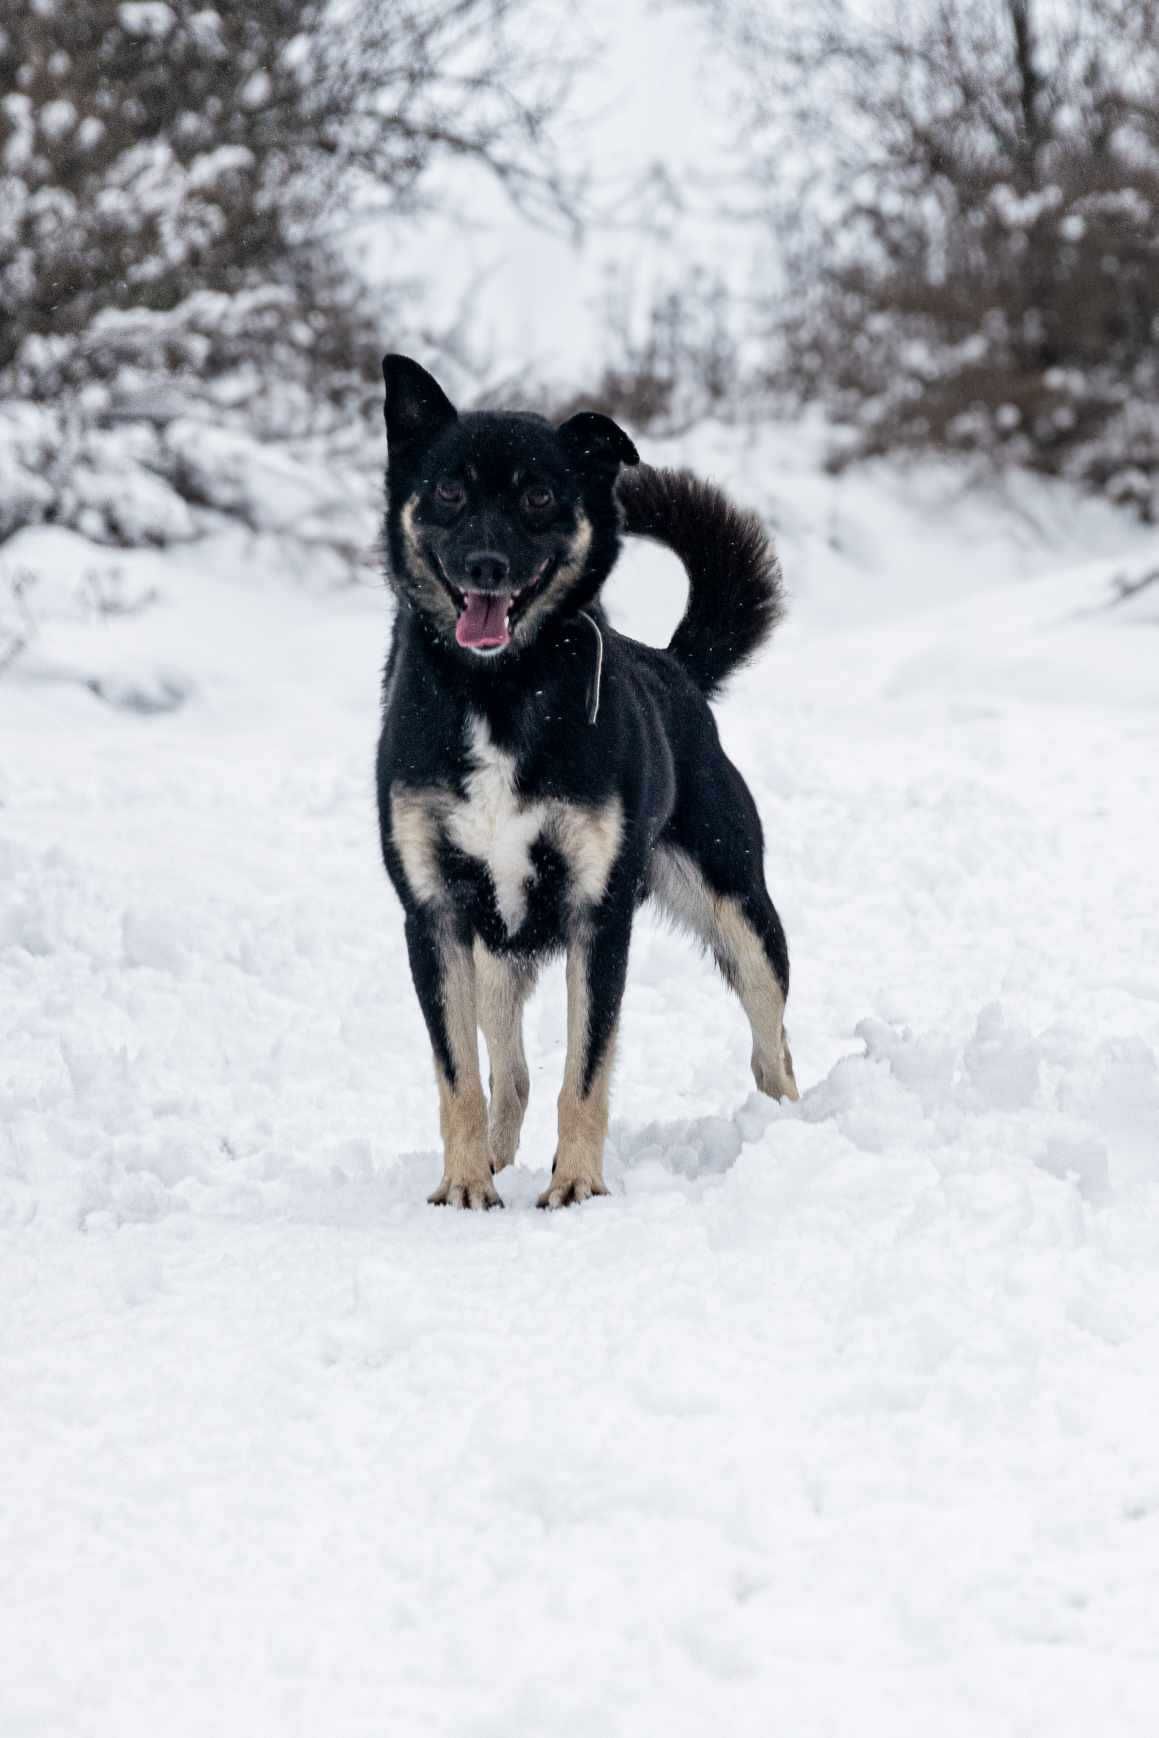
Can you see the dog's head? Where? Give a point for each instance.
(497, 523)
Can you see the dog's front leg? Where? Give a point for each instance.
(597, 966)
(502, 987)
(444, 977)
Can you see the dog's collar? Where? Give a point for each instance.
(594, 690)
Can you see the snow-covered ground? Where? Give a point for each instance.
(834, 1419)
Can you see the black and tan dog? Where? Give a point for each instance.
(539, 774)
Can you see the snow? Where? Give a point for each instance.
(147, 17)
(832, 1419)
(157, 476)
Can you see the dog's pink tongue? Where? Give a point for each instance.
(483, 622)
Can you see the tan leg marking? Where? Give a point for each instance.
(466, 1178)
(415, 823)
(501, 990)
(578, 1172)
(721, 924)
(762, 1000)
(590, 841)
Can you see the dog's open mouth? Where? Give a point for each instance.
(486, 617)
(483, 625)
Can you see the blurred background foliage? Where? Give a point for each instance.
(939, 223)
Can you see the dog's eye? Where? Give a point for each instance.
(538, 498)
(450, 492)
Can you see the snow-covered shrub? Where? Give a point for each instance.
(29, 440)
(176, 183)
(966, 202)
(135, 481)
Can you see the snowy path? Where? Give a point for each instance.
(834, 1419)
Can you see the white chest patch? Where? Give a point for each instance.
(495, 825)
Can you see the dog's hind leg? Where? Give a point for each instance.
(443, 969)
(712, 883)
(747, 941)
(597, 966)
(502, 986)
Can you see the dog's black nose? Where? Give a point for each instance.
(486, 569)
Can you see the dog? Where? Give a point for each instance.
(540, 775)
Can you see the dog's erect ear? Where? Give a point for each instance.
(416, 405)
(596, 443)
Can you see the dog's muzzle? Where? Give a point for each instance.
(484, 623)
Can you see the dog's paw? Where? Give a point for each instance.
(506, 1123)
(570, 1191)
(774, 1075)
(477, 1195)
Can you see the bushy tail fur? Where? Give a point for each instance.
(735, 597)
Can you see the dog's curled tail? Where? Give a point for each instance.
(735, 595)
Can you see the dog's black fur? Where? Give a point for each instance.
(530, 799)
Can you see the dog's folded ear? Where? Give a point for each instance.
(596, 443)
(416, 406)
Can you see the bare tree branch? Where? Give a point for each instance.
(964, 196)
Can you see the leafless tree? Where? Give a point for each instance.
(964, 198)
